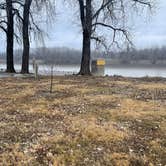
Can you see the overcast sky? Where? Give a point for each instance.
(149, 32)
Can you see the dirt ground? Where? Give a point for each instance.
(92, 121)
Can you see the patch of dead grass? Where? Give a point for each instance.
(85, 121)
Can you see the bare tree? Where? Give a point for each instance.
(97, 15)
(25, 36)
(20, 15)
(10, 36)
(7, 25)
(29, 25)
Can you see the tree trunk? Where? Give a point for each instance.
(25, 35)
(86, 20)
(86, 50)
(10, 37)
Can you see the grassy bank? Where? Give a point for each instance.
(85, 121)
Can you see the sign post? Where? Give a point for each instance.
(98, 67)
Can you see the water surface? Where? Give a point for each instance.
(126, 71)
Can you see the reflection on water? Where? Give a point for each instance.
(109, 70)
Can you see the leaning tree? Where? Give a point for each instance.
(110, 16)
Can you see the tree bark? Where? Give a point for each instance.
(10, 37)
(85, 62)
(87, 30)
(25, 35)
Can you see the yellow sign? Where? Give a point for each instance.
(100, 62)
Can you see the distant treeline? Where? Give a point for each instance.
(151, 56)
(138, 56)
(67, 56)
(49, 55)
(57, 55)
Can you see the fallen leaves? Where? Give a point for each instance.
(85, 121)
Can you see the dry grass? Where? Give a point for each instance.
(85, 121)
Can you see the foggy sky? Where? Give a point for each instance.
(149, 32)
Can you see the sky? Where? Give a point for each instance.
(65, 32)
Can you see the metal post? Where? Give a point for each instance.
(52, 75)
(36, 70)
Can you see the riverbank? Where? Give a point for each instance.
(85, 121)
(4, 74)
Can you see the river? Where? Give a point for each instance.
(126, 71)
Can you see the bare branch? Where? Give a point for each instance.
(1, 27)
(144, 2)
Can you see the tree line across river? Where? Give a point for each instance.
(67, 56)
